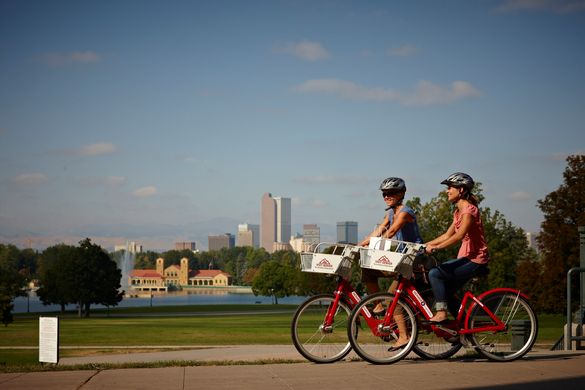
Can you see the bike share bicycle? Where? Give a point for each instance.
(319, 325)
(500, 324)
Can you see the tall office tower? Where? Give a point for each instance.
(248, 235)
(188, 245)
(347, 232)
(267, 222)
(275, 221)
(311, 234)
(217, 242)
(283, 225)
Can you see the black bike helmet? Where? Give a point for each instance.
(459, 180)
(393, 184)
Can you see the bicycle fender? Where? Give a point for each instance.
(503, 289)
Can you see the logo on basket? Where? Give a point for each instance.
(324, 264)
(383, 261)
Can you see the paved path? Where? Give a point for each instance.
(538, 370)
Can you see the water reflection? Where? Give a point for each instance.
(203, 296)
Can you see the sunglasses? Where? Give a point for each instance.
(387, 194)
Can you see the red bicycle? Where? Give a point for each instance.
(319, 328)
(319, 325)
(499, 324)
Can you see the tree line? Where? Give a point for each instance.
(86, 274)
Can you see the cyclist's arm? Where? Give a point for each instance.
(377, 232)
(452, 236)
(399, 221)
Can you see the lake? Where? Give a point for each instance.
(179, 298)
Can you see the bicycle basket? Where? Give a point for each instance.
(391, 256)
(328, 259)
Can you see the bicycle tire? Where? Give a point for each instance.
(374, 348)
(309, 337)
(521, 327)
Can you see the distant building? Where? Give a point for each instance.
(131, 247)
(248, 235)
(311, 234)
(347, 232)
(275, 221)
(186, 245)
(217, 242)
(176, 276)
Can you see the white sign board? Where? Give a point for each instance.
(49, 339)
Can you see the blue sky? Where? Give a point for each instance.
(159, 121)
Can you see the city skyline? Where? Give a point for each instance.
(158, 122)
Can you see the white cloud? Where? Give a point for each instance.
(403, 51)
(114, 181)
(555, 6)
(30, 179)
(424, 93)
(145, 192)
(520, 196)
(305, 50)
(427, 93)
(80, 57)
(96, 149)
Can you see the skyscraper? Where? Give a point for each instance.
(248, 235)
(347, 232)
(275, 221)
(217, 242)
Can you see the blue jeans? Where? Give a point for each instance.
(447, 278)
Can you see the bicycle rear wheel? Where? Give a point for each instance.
(313, 340)
(375, 344)
(521, 327)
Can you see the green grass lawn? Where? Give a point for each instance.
(161, 328)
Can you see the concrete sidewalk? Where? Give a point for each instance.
(538, 370)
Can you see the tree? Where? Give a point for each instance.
(146, 260)
(83, 275)
(558, 241)
(274, 279)
(12, 282)
(97, 278)
(56, 275)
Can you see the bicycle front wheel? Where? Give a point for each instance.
(316, 341)
(521, 327)
(378, 343)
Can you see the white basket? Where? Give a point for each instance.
(390, 255)
(335, 261)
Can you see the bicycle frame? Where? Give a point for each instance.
(407, 289)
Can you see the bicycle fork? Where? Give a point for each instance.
(343, 289)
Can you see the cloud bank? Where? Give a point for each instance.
(424, 93)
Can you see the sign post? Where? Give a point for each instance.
(49, 340)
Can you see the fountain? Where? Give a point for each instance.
(126, 266)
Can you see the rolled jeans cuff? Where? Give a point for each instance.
(441, 306)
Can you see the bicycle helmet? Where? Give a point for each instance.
(459, 180)
(393, 184)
